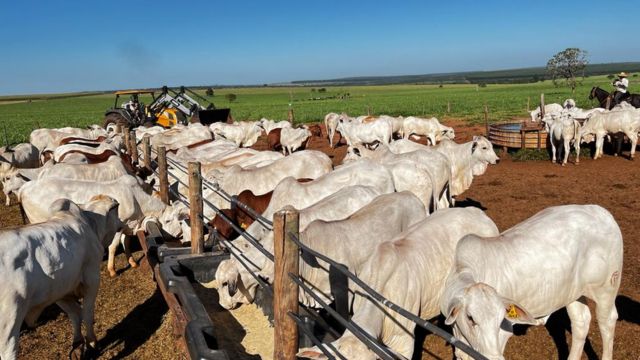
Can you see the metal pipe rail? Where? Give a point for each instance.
(384, 301)
(261, 282)
(381, 351)
(227, 197)
(315, 340)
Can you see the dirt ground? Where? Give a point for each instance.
(132, 321)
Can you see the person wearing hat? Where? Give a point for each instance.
(621, 84)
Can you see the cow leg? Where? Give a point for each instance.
(633, 138)
(7, 200)
(9, 334)
(92, 282)
(553, 151)
(71, 306)
(112, 253)
(599, 143)
(580, 317)
(126, 245)
(607, 315)
(577, 146)
(567, 149)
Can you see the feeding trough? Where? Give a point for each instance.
(518, 134)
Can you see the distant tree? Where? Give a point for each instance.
(322, 90)
(231, 97)
(209, 92)
(610, 76)
(482, 85)
(566, 66)
(536, 78)
(440, 85)
(635, 75)
(313, 89)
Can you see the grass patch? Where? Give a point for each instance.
(530, 155)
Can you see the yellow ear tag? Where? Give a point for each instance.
(512, 313)
(244, 226)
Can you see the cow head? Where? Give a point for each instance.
(447, 132)
(12, 181)
(172, 217)
(233, 287)
(483, 319)
(482, 154)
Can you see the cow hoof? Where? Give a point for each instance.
(133, 263)
(563, 164)
(77, 351)
(112, 273)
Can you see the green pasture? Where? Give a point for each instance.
(465, 102)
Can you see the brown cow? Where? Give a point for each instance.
(273, 138)
(239, 217)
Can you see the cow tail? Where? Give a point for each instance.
(576, 131)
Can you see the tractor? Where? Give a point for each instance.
(171, 107)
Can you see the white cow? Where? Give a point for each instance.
(292, 139)
(269, 125)
(330, 124)
(431, 128)
(242, 134)
(57, 261)
(410, 270)
(557, 258)
(36, 197)
(181, 136)
(564, 128)
(467, 160)
(602, 123)
(379, 131)
(232, 276)
(548, 109)
(348, 240)
(19, 156)
(427, 159)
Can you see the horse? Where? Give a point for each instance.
(604, 98)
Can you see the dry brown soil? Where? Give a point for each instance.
(132, 321)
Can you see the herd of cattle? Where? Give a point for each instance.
(561, 122)
(386, 213)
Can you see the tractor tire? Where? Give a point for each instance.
(115, 118)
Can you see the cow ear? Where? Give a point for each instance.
(454, 309)
(517, 314)
(356, 151)
(232, 287)
(474, 145)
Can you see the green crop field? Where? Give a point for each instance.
(18, 117)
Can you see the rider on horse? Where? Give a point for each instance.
(621, 84)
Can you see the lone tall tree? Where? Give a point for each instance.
(567, 65)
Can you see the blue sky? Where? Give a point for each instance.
(60, 46)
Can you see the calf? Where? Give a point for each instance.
(431, 128)
(57, 261)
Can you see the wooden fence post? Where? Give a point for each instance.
(133, 147)
(195, 208)
(542, 106)
(368, 110)
(146, 152)
(290, 116)
(448, 106)
(285, 291)
(162, 173)
(127, 136)
(528, 103)
(486, 119)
